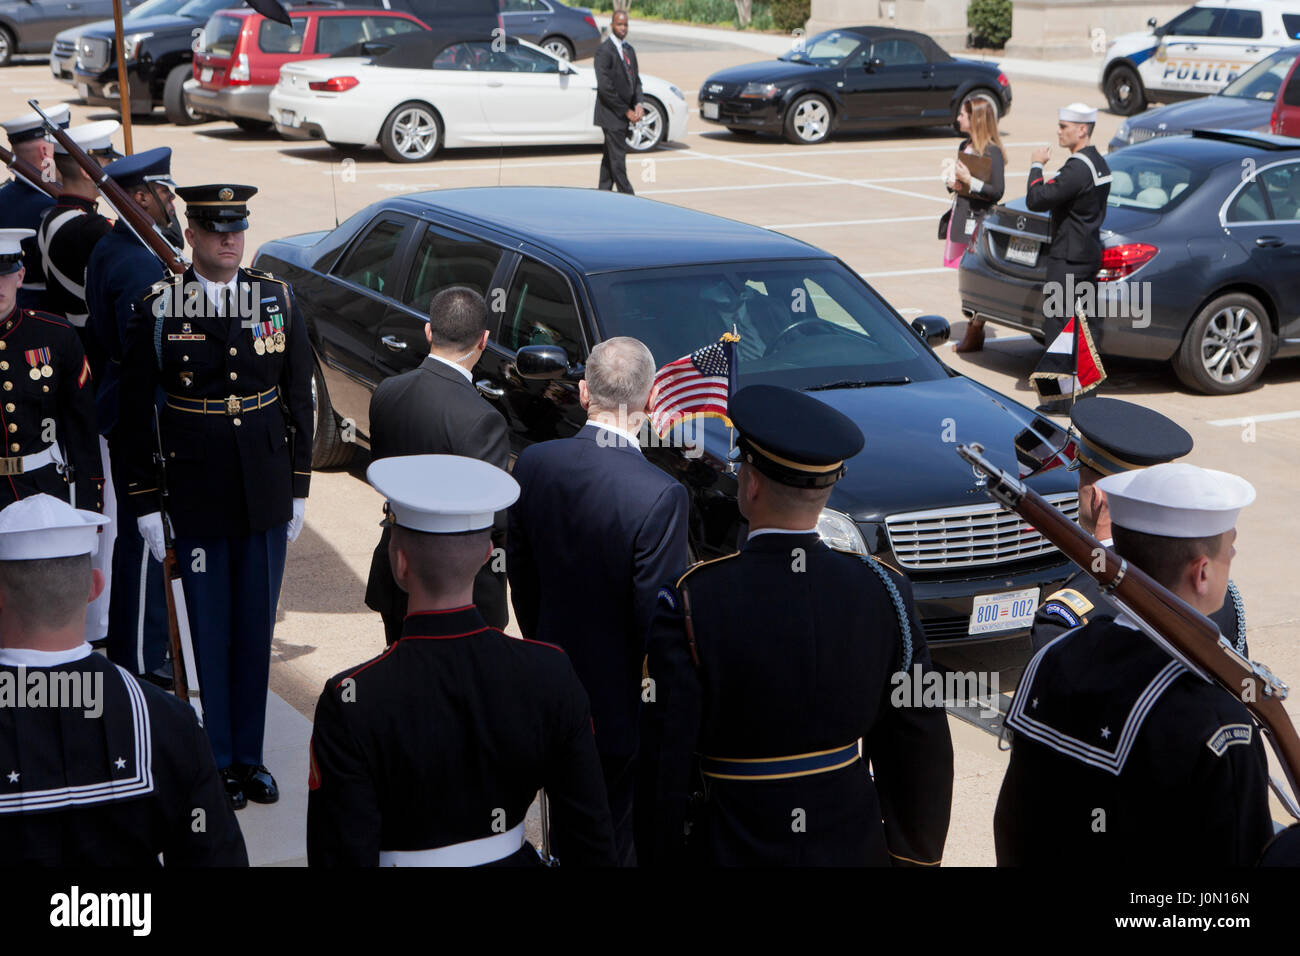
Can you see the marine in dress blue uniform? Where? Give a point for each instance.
(1114, 437)
(431, 753)
(234, 366)
(22, 204)
(119, 271)
(771, 680)
(47, 418)
(1120, 754)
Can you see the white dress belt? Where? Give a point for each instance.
(470, 853)
(29, 463)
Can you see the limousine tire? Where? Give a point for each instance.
(412, 133)
(1226, 346)
(328, 449)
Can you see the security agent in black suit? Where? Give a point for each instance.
(618, 101)
(1115, 437)
(109, 771)
(596, 532)
(769, 666)
(431, 753)
(436, 410)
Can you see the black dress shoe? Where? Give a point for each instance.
(234, 789)
(259, 786)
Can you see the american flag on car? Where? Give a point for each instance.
(696, 385)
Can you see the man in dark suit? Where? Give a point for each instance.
(618, 101)
(436, 410)
(596, 532)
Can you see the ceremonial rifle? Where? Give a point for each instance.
(1185, 633)
(29, 174)
(185, 679)
(118, 199)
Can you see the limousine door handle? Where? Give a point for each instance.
(488, 389)
(1271, 242)
(394, 343)
(495, 83)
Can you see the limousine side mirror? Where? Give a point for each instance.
(874, 64)
(542, 362)
(932, 329)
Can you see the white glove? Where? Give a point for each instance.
(151, 529)
(295, 523)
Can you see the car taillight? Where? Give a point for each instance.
(1002, 80)
(335, 84)
(1275, 120)
(590, 19)
(1120, 261)
(239, 73)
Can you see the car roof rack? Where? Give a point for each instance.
(1245, 137)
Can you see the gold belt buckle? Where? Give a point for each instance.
(11, 466)
(234, 405)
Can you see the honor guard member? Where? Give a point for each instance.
(431, 753)
(772, 664)
(21, 203)
(47, 413)
(229, 350)
(1115, 437)
(1120, 754)
(1075, 198)
(120, 270)
(99, 769)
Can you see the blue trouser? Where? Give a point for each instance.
(232, 587)
(137, 609)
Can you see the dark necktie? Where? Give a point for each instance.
(627, 58)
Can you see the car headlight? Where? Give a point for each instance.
(677, 93)
(840, 532)
(759, 91)
(131, 44)
(1124, 133)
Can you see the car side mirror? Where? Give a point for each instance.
(874, 64)
(1152, 23)
(566, 70)
(542, 362)
(932, 329)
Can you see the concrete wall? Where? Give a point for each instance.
(945, 20)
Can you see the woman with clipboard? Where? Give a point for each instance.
(976, 182)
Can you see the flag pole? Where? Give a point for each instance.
(123, 87)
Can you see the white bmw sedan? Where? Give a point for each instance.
(414, 95)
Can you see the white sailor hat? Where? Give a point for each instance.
(31, 126)
(42, 526)
(1176, 500)
(11, 249)
(1077, 113)
(95, 138)
(442, 494)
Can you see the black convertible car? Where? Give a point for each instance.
(857, 78)
(561, 273)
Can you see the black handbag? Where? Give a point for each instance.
(943, 223)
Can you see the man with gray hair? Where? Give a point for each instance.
(597, 530)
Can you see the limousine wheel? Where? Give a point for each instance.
(6, 46)
(808, 120)
(412, 133)
(328, 449)
(648, 133)
(1226, 346)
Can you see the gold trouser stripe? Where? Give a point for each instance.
(796, 465)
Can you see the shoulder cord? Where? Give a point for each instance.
(904, 624)
(1241, 616)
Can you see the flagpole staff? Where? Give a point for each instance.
(123, 87)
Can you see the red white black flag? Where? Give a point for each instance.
(1071, 365)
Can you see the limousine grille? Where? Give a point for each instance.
(93, 54)
(970, 535)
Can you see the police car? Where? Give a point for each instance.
(1197, 52)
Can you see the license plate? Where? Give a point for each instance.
(205, 75)
(1003, 612)
(1024, 251)
(83, 91)
(709, 110)
(288, 118)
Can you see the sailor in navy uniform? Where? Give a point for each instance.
(1114, 437)
(773, 663)
(44, 379)
(229, 350)
(431, 753)
(106, 772)
(21, 203)
(119, 271)
(1120, 754)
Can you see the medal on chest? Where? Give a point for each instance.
(39, 360)
(268, 336)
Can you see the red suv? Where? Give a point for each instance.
(1286, 106)
(237, 57)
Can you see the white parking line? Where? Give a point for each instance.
(1251, 419)
(846, 222)
(865, 184)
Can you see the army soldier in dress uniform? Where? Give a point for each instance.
(121, 269)
(21, 203)
(229, 349)
(47, 414)
(1076, 200)
(773, 663)
(431, 753)
(1121, 755)
(105, 771)
(1115, 437)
